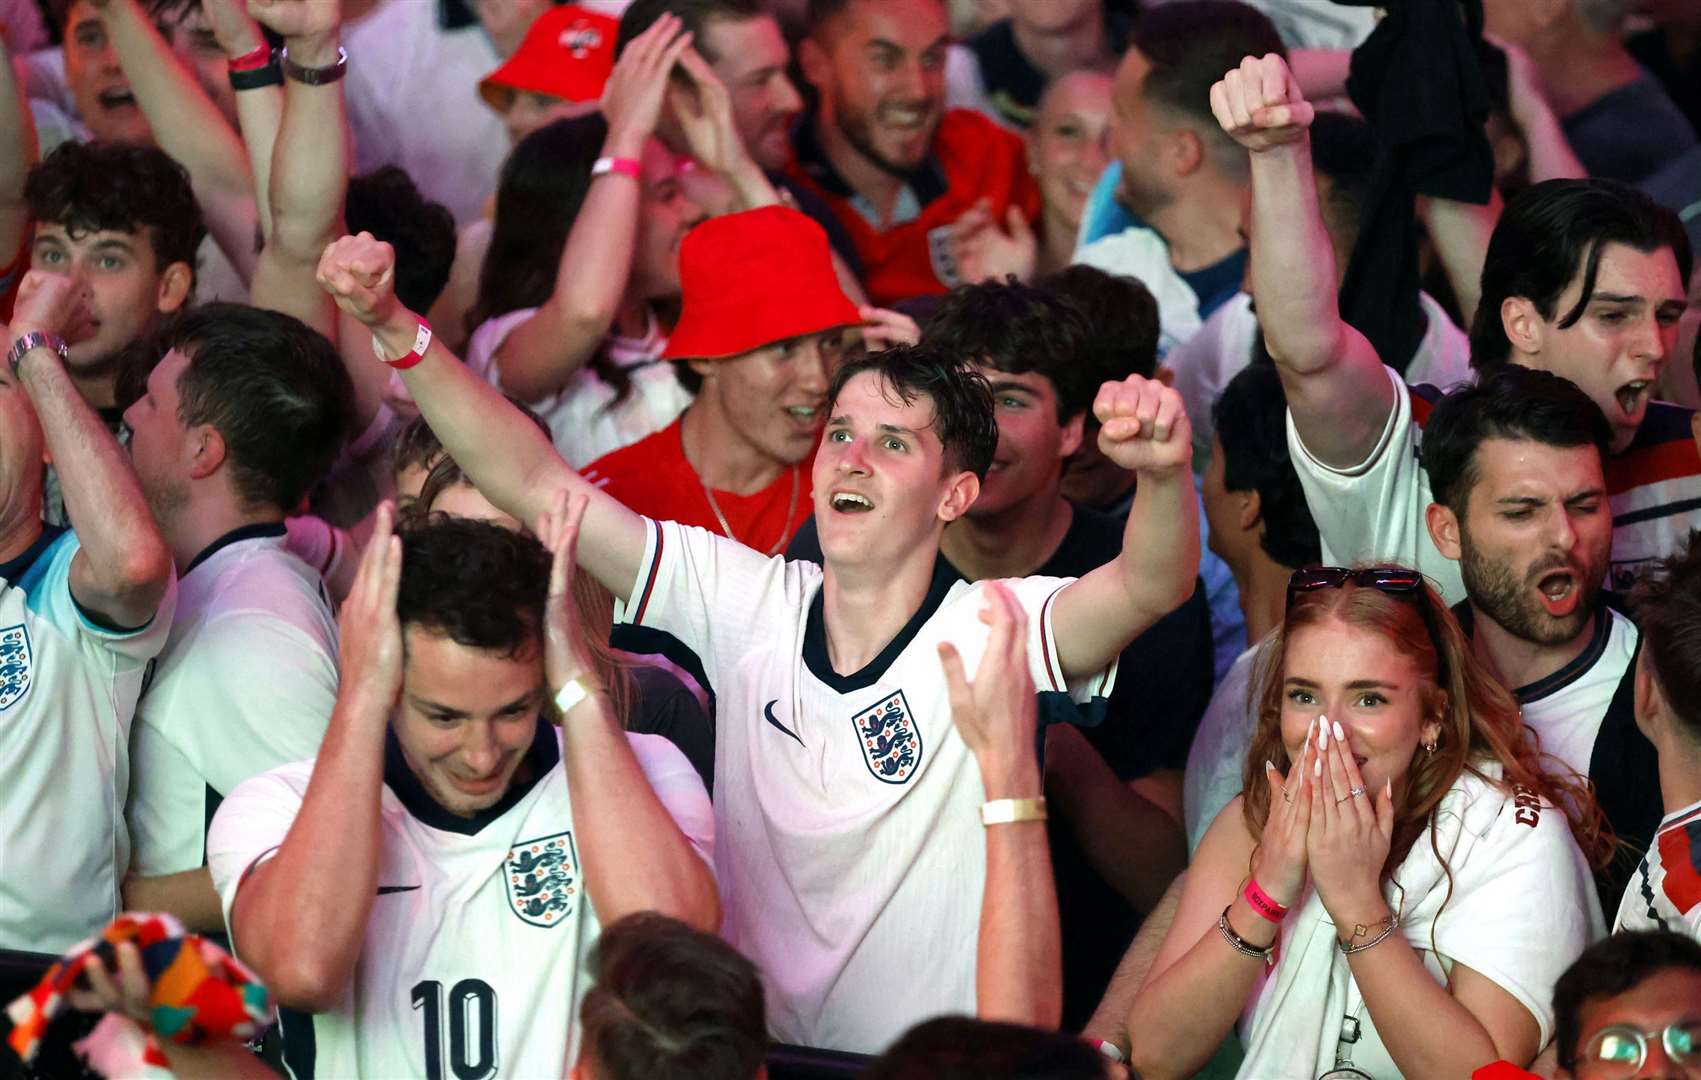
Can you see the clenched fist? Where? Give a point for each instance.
(360, 274)
(1144, 426)
(1260, 105)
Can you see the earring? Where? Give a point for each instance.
(1429, 747)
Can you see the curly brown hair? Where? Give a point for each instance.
(1479, 718)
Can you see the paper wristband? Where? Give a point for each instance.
(1262, 903)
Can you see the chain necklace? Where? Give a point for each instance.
(785, 530)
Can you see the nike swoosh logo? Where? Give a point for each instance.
(768, 715)
(386, 890)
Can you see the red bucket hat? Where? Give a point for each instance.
(567, 54)
(754, 278)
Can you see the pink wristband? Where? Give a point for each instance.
(1259, 900)
(622, 165)
(255, 59)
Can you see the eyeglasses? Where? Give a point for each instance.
(1388, 579)
(1619, 1051)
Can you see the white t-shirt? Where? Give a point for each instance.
(1139, 252)
(1216, 761)
(472, 960)
(852, 858)
(413, 101)
(1374, 511)
(68, 690)
(246, 683)
(1566, 709)
(1516, 904)
(1206, 362)
(1665, 894)
(581, 417)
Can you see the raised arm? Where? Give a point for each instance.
(508, 459)
(543, 352)
(1337, 392)
(1460, 232)
(189, 127)
(299, 918)
(123, 570)
(17, 157)
(1550, 153)
(635, 856)
(1144, 429)
(259, 109)
(1019, 952)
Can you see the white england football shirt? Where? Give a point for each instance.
(472, 963)
(1374, 512)
(1665, 894)
(1568, 708)
(246, 683)
(68, 691)
(852, 858)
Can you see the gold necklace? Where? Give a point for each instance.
(785, 529)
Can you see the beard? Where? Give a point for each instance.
(857, 126)
(1141, 197)
(1497, 590)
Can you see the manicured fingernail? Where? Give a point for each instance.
(1340, 736)
(1269, 766)
(1317, 768)
(1323, 736)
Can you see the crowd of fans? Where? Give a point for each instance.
(1005, 538)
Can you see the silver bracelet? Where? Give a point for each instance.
(1240, 944)
(1389, 925)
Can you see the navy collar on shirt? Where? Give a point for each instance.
(820, 663)
(1572, 671)
(399, 778)
(13, 570)
(927, 181)
(256, 531)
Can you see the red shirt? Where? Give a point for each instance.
(653, 478)
(972, 158)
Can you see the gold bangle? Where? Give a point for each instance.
(1011, 811)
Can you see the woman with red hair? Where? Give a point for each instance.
(1401, 881)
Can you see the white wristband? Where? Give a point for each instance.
(575, 691)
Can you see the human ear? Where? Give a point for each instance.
(174, 287)
(960, 494)
(1443, 527)
(210, 452)
(1525, 328)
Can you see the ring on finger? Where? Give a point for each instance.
(1353, 794)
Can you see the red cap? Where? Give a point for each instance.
(567, 54)
(752, 279)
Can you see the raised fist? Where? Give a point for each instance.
(292, 19)
(360, 274)
(54, 304)
(1144, 426)
(1260, 106)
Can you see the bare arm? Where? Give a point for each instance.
(190, 128)
(1131, 842)
(124, 569)
(636, 858)
(1337, 393)
(189, 895)
(509, 460)
(1019, 953)
(1145, 429)
(1109, 1021)
(17, 156)
(1550, 153)
(300, 917)
(1460, 232)
(259, 109)
(542, 353)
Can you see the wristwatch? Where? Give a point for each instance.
(35, 339)
(318, 76)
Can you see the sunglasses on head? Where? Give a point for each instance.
(1388, 579)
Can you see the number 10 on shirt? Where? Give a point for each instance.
(471, 1009)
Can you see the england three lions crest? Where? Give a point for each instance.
(542, 877)
(14, 664)
(890, 739)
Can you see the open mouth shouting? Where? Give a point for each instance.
(116, 97)
(849, 502)
(1560, 592)
(1632, 398)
